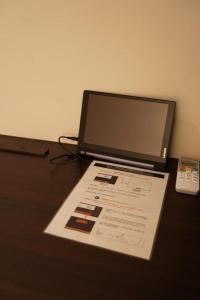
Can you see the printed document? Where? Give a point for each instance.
(115, 207)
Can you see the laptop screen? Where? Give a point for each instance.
(127, 127)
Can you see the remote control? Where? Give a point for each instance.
(187, 180)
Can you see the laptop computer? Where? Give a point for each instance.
(126, 129)
(114, 206)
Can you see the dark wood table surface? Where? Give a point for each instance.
(37, 266)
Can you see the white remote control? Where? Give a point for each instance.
(187, 180)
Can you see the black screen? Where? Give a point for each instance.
(127, 124)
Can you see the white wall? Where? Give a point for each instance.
(51, 50)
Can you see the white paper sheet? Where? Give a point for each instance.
(113, 207)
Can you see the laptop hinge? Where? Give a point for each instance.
(119, 160)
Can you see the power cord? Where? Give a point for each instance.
(70, 156)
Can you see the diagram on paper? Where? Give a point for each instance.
(124, 238)
(136, 184)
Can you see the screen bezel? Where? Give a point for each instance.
(158, 161)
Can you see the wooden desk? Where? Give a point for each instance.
(38, 266)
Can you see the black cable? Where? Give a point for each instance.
(73, 138)
(62, 145)
(70, 156)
